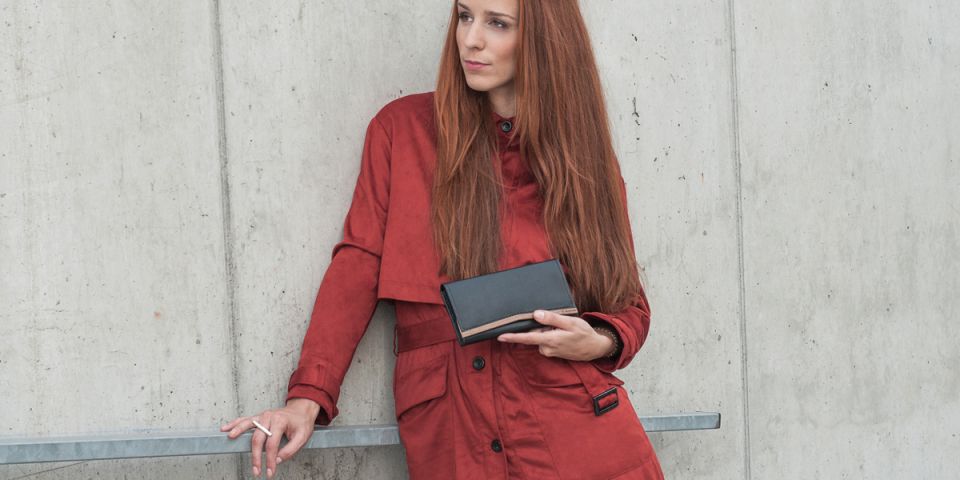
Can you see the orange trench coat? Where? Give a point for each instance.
(489, 410)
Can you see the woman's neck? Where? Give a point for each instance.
(503, 100)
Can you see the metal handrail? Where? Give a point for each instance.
(212, 442)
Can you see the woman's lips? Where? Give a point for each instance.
(474, 65)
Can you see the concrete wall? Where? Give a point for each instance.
(174, 174)
(849, 151)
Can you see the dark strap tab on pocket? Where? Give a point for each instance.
(603, 394)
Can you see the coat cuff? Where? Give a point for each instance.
(631, 325)
(308, 382)
(610, 364)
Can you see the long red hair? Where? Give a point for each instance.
(564, 137)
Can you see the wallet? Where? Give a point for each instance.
(488, 305)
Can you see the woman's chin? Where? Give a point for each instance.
(478, 86)
(478, 90)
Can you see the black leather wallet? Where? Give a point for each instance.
(488, 305)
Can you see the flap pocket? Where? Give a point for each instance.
(540, 370)
(611, 378)
(537, 369)
(420, 383)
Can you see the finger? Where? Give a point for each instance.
(256, 443)
(526, 338)
(273, 444)
(553, 319)
(296, 440)
(256, 449)
(238, 429)
(233, 423)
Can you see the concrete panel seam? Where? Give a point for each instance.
(229, 262)
(735, 112)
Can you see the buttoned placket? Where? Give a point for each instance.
(484, 363)
(496, 446)
(506, 148)
(481, 369)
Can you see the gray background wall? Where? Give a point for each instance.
(173, 176)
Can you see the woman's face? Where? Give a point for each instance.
(487, 34)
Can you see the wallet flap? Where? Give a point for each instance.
(504, 301)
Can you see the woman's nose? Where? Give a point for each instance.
(474, 38)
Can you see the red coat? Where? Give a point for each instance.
(489, 410)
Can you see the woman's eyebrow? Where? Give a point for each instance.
(488, 12)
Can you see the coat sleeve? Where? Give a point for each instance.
(347, 296)
(631, 324)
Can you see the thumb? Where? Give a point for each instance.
(547, 317)
(555, 320)
(297, 441)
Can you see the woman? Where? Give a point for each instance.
(467, 180)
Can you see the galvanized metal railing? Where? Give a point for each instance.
(212, 442)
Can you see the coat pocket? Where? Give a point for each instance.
(414, 387)
(611, 378)
(542, 371)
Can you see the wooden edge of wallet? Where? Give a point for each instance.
(511, 319)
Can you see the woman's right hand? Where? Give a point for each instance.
(295, 420)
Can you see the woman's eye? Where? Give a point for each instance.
(463, 16)
(499, 24)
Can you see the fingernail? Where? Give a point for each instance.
(279, 460)
(269, 473)
(538, 314)
(256, 472)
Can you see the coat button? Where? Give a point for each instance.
(495, 445)
(506, 126)
(478, 363)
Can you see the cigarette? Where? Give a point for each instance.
(262, 428)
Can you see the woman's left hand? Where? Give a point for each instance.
(570, 337)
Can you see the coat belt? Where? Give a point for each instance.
(422, 334)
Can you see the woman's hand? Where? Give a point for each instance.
(295, 420)
(571, 337)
